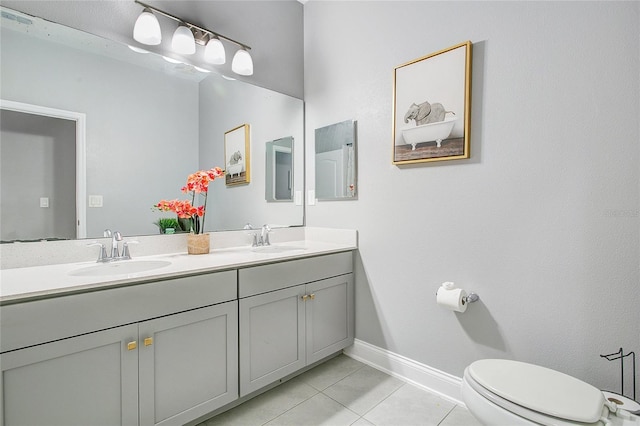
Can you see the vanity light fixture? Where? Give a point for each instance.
(187, 35)
(147, 28)
(242, 63)
(183, 41)
(214, 52)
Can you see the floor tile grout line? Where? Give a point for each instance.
(301, 402)
(447, 415)
(356, 421)
(339, 380)
(318, 391)
(383, 400)
(403, 383)
(362, 415)
(340, 403)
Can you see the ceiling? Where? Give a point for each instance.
(272, 28)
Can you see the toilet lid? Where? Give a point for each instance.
(539, 389)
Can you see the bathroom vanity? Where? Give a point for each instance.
(170, 346)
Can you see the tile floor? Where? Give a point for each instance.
(343, 391)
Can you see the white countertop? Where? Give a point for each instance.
(36, 282)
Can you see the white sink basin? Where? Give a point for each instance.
(276, 249)
(122, 267)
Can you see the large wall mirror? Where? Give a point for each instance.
(149, 124)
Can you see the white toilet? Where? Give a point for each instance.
(510, 393)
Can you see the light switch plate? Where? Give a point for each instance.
(95, 200)
(44, 201)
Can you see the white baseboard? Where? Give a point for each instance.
(433, 380)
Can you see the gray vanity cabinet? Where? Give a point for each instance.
(73, 382)
(272, 337)
(329, 319)
(178, 367)
(293, 314)
(168, 352)
(173, 360)
(188, 364)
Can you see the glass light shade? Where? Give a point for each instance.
(147, 29)
(214, 52)
(242, 63)
(183, 41)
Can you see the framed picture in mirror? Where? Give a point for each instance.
(431, 107)
(236, 154)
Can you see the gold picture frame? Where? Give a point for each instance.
(432, 107)
(237, 145)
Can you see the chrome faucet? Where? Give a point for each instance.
(115, 253)
(115, 238)
(102, 256)
(126, 254)
(264, 235)
(263, 238)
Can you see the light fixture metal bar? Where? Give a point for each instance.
(190, 25)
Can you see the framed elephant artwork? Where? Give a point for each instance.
(431, 107)
(236, 154)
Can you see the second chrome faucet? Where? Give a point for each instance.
(114, 253)
(261, 239)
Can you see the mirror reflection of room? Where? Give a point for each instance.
(137, 152)
(279, 170)
(37, 155)
(335, 160)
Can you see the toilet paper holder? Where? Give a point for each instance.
(471, 297)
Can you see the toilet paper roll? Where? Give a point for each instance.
(453, 299)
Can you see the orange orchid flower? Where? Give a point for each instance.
(197, 183)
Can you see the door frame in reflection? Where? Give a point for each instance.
(81, 152)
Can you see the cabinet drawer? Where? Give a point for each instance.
(40, 321)
(275, 276)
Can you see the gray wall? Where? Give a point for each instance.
(142, 126)
(38, 159)
(542, 221)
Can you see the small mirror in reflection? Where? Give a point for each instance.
(336, 161)
(279, 170)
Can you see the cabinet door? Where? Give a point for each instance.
(188, 364)
(329, 316)
(86, 380)
(271, 337)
